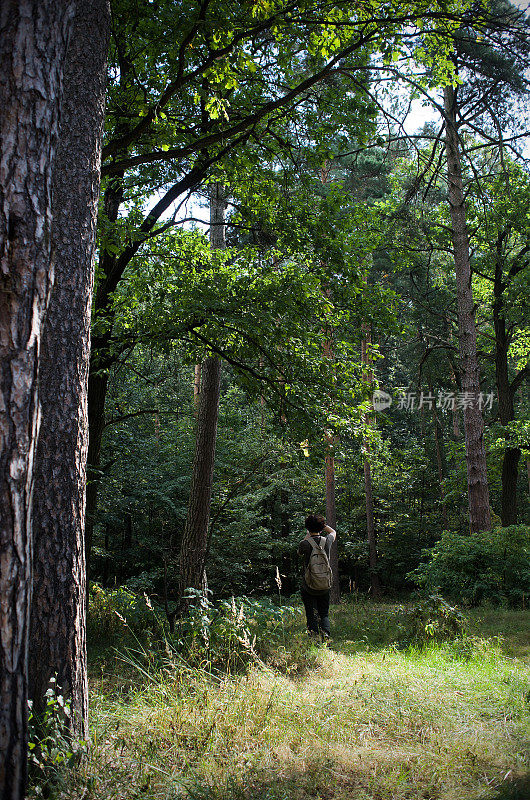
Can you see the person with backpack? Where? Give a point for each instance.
(317, 577)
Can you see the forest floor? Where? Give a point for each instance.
(359, 718)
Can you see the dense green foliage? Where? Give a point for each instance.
(53, 755)
(492, 567)
(337, 226)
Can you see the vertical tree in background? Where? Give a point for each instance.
(505, 244)
(439, 449)
(33, 41)
(329, 459)
(490, 54)
(493, 57)
(477, 481)
(195, 538)
(369, 500)
(57, 643)
(331, 507)
(331, 514)
(196, 386)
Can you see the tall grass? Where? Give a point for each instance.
(362, 719)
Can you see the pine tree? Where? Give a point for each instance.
(32, 55)
(57, 643)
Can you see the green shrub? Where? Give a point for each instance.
(492, 567)
(52, 752)
(224, 635)
(110, 610)
(229, 634)
(431, 619)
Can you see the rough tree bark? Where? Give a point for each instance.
(477, 481)
(33, 42)
(195, 537)
(58, 620)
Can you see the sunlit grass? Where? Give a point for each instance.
(360, 719)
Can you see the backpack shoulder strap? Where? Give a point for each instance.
(318, 547)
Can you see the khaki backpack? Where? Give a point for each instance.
(318, 574)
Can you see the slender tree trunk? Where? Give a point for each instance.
(329, 461)
(331, 510)
(101, 360)
(33, 44)
(505, 396)
(57, 643)
(331, 516)
(512, 455)
(455, 379)
(195, 538)
(477, 482)
(454, 408)
(370, 521)
(112, 267)
(509, 475)
(128, 532)
(370, 529)
(438, 433)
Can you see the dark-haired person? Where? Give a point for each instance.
(316, 602)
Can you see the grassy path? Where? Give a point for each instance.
(358, 719)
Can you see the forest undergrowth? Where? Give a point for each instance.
(366, 717)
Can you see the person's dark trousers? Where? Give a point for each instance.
(316, 604)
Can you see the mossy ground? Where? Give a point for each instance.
(360, 718)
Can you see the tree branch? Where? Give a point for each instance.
(207, 141)
(128, 416)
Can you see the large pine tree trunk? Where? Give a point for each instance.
(33, 43)
(477, 482)
(57, 643)
(195, 537)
